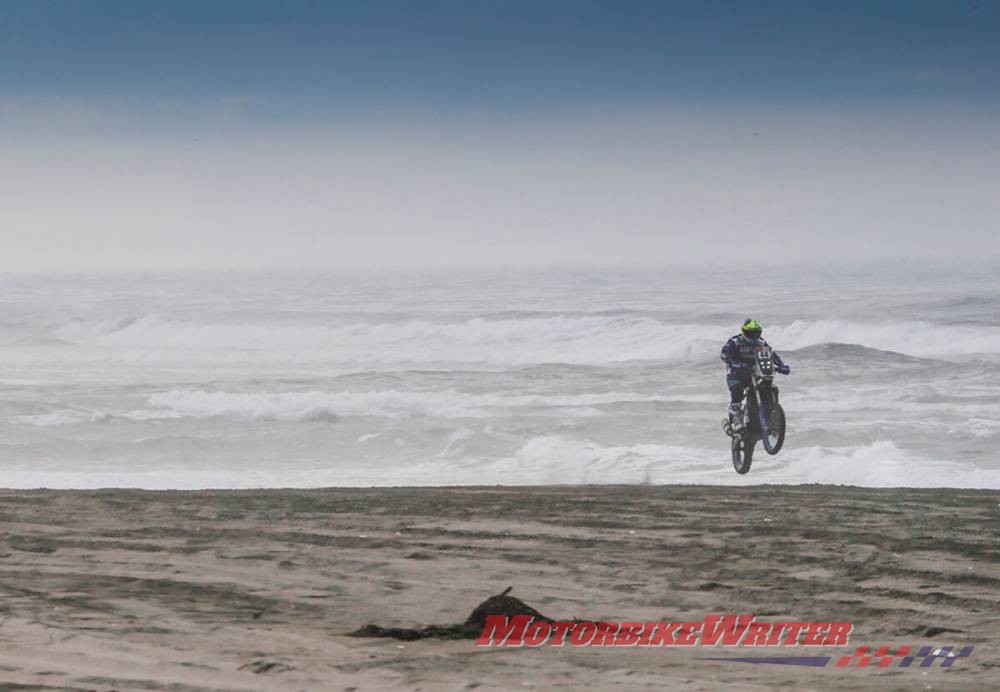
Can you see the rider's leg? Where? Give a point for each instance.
(735, 397)
(735, 416)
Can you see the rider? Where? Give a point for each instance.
(738, 354)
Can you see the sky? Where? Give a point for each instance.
(147, 135)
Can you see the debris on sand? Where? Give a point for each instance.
(501, 604)
(260, 667)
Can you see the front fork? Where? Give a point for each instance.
(767, 396)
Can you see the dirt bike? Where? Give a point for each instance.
(763, 417)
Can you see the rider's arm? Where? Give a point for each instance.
(727, 353)
(779, 364)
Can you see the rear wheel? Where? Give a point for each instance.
(773, 434)
(742, 452)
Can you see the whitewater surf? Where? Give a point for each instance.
(193, 380)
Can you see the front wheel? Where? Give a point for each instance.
(773, 433)
(742, 452)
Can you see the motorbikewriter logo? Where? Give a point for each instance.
(714, 630)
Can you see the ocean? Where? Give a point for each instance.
(442, 377)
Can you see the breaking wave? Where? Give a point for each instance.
(319, 405)
(593, 339)
(557, 459)
(920, 339)
(63, 417)
(553, 459)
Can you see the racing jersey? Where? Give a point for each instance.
(738, 353)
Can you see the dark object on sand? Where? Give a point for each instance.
(501, 604)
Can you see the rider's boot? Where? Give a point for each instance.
(735, 417)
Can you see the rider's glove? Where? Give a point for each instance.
(784, 369)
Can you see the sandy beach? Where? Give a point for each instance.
(257, 590)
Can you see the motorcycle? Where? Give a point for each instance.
(762, 415)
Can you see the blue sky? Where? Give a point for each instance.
(316, 60)
(510, 104)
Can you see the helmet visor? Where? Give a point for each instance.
(752, 334)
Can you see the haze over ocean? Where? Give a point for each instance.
(253, 134)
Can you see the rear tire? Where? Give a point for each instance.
(742, 452)
(774, 437)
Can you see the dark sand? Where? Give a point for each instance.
(256, 590)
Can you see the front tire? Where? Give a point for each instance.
(742, 452)
(774, 436)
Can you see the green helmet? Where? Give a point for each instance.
(751, 329)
